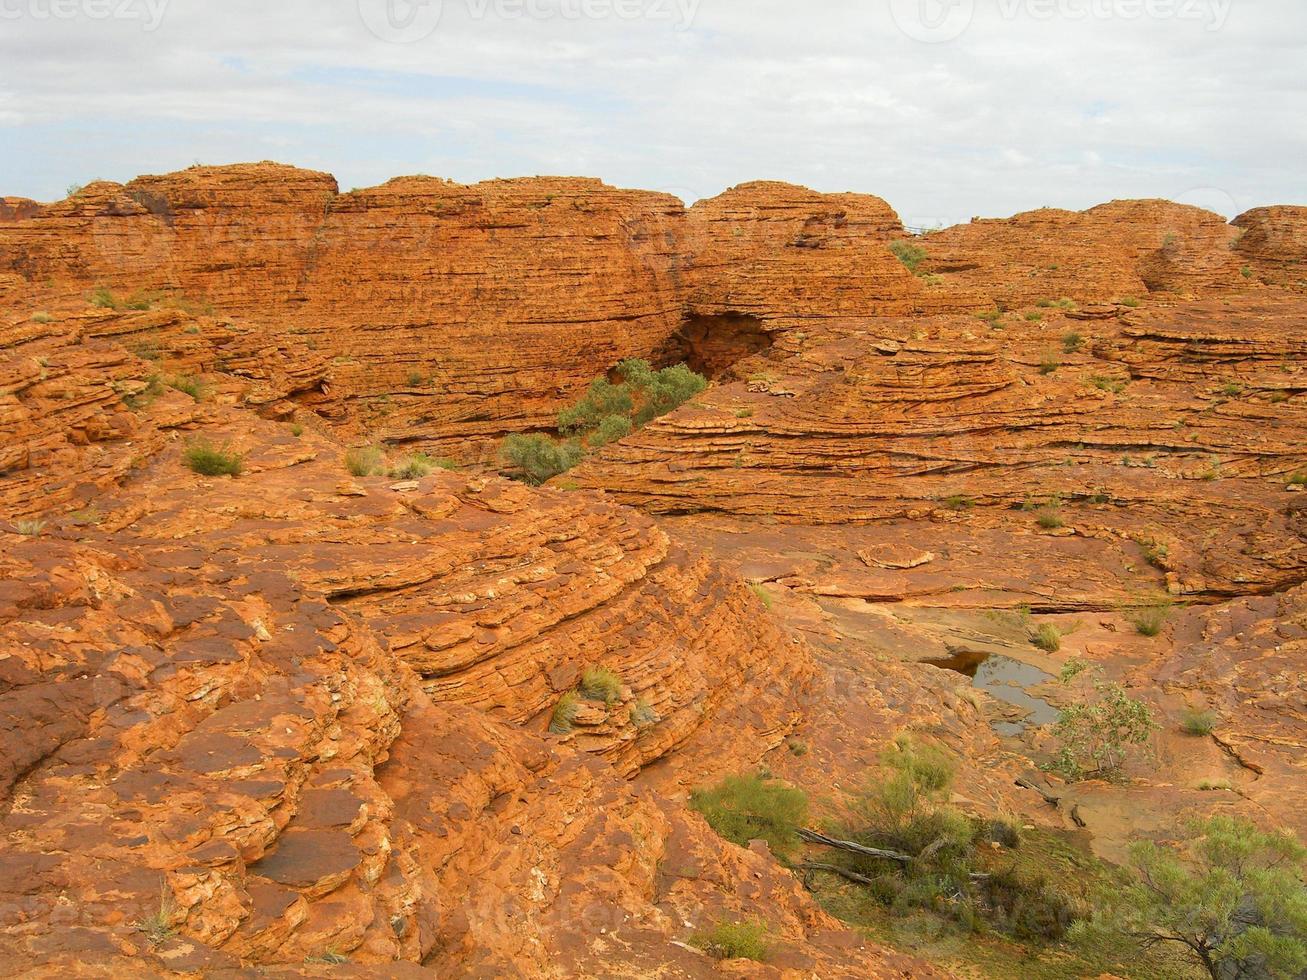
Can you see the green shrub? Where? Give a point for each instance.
(1050, 520)
(734, 941)
(209, 460)
(745, 808)
(1195, 722)
(1072, 342)
(415, 379)
(1150, 622)
(643, 715)
(601, 684)
(1232, 897)
(1246, 272)
(959, 502)
(1130, 301)
(538, 458)
(187, 384)
(604, 400)
(1298, 479)
(297, 430)
(909, 253)
(797, 746)
(42, 318)
(1034, 316)
(1047, 637)
(103, 298)
(1104, 383)
(1098, 728)
(660, 392)
(565, 712)
(610, 430)
(414, 468)
(365, 461)
(761, 592)
(1049, 365)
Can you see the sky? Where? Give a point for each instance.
(948, 109)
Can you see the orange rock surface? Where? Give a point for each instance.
(1274, 241)
(299, 715)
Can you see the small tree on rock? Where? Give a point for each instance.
(1234, 897)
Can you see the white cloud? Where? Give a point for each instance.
(1020, 110)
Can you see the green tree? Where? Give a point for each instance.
(601, 402)
(539, 458)
(1234, 896)
(1097, 730)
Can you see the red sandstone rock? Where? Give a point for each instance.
(1274, 242)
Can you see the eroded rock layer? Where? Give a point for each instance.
(1274, 242)
(1155, 427)
(1115, 251)
(447, 312)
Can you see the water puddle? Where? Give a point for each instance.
(1005, 680)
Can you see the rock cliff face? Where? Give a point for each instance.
(1274, 242)
(1111, 252)
(1155, 420)
(447, 312)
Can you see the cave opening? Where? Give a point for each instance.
(712, 345)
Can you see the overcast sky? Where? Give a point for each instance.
(946, 108)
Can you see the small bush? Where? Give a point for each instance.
(103, 298)
(1130, 301)
(415, 379)
(42, 318)
(1034, 316)
(1098, 728)
(364, 461)
(601, 684)
(959, 502)
(1246, 272)
(1195, 722)
(565, 712)
(1049, 365)
(29, 528)
(1232, 390)
(610, 430)
(745, 808)
(797, 746)
(186, 384)
(297, 430)
(1072, 343)
(643, 715)
(734, 941)
(744, 413)
(1047, 637)
(1150, 622)
(1050, 520)
(538, 458)
(1105, 383)
(414, 468)
(1298, 479)
(1215, 785)
(604, 400)
(208, 460)
(761, 592)
(909, 254)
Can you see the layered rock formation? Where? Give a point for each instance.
(1114, 251)
(1155, 422)
(301, 716)
(293, 716)
(447, 312)
(1274, 242)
